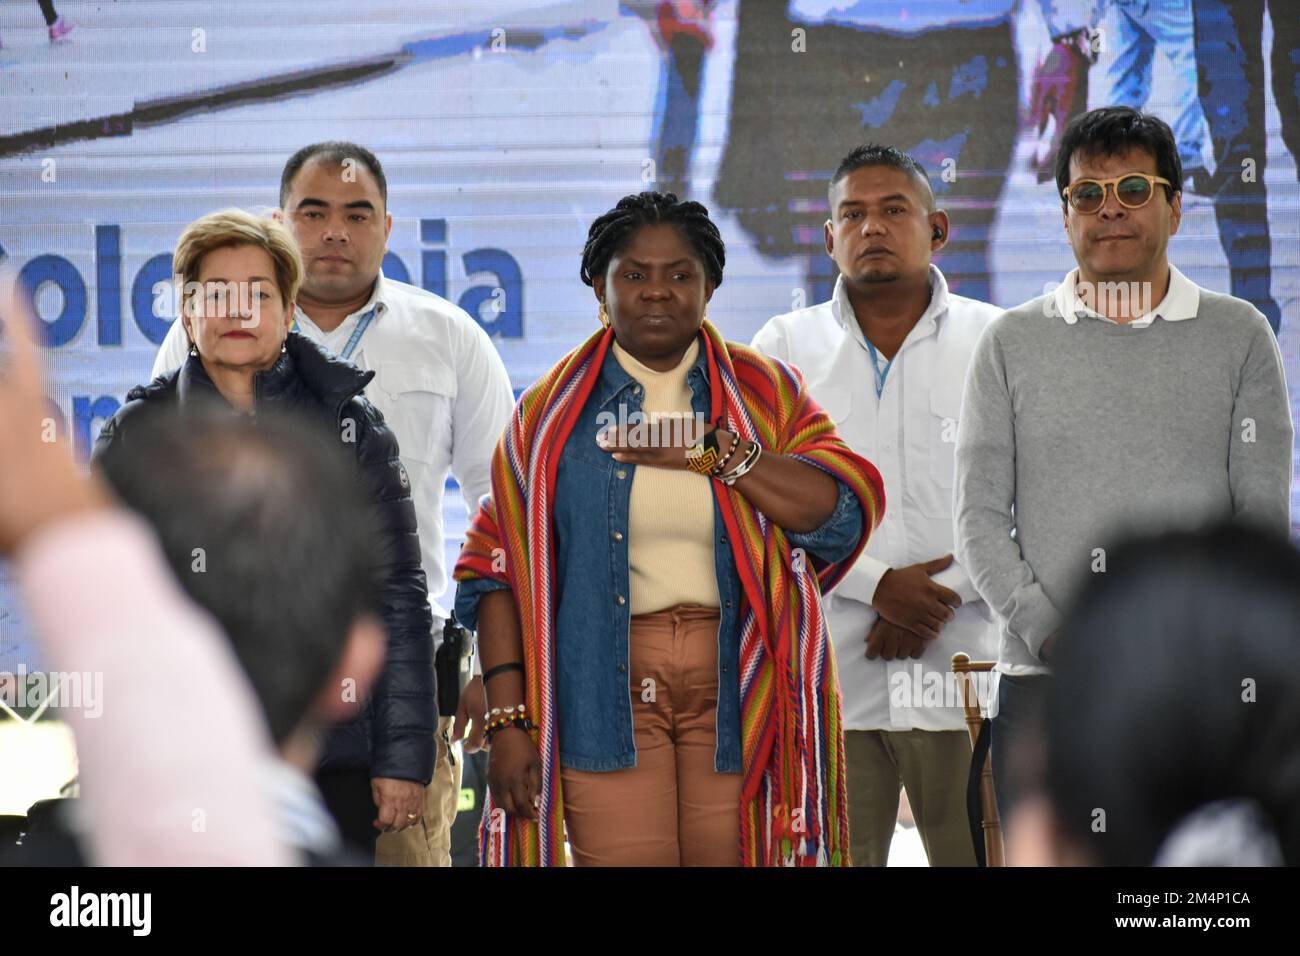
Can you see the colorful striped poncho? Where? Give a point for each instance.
(793, 801)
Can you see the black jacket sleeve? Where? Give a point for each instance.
(110, 438)
(106, 440)
(403, 700)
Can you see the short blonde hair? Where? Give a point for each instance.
(234, 227)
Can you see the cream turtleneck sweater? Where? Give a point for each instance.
(670, 517)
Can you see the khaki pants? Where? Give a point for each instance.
(428, 842)
(933, 766)
(672, 808)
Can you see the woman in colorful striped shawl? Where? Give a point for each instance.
(597, 546)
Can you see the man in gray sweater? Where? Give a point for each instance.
(1126, 401)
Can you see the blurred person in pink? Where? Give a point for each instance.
(103, 601)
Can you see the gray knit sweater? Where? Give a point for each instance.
(1091, 431)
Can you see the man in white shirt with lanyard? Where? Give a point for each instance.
(887, 358)
(439, 383)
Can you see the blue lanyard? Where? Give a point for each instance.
(357, 333)
(875, 367)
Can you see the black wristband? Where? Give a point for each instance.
(501, 669)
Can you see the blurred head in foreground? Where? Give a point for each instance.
(266, 527)
(1172, 732)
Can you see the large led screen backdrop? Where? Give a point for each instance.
(505, 127)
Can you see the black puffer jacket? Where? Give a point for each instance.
(394, 734)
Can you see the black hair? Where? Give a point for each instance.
(334, 152)
(873, 154)
(290, 554)
(610, 234)
(1111, 130)
(1178, 684)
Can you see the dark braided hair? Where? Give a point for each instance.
(610, 233)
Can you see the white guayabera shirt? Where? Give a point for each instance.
(909, 433)
(441, 387)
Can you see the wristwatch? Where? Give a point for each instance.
(704, 454)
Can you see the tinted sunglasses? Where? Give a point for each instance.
(1133, 190)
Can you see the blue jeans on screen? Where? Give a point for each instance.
(1230, 65)
(1142, 28)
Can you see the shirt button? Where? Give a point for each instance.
(621, 474)
(622, 668)
(723, 539)
(618, 535)
(727, 603)
(637, 390)
(621, 600)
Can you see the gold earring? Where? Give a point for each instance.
(604, 316)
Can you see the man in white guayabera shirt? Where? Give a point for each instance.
(1126, 401)
(441, 387)
(886, 357)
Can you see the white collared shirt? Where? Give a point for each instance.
(1181, 301)
(909, 434)
(441, 387)
(305, 823)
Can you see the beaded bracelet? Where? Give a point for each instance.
(722, 462)
(501, 723)
(496, 711)
(747, 463)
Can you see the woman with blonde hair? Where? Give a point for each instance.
(239, 276)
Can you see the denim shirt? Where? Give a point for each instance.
(592, 606)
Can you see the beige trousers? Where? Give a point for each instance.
(672, 808)
(933, 766)
(428, 842)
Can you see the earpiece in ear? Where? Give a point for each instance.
(938, 233)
